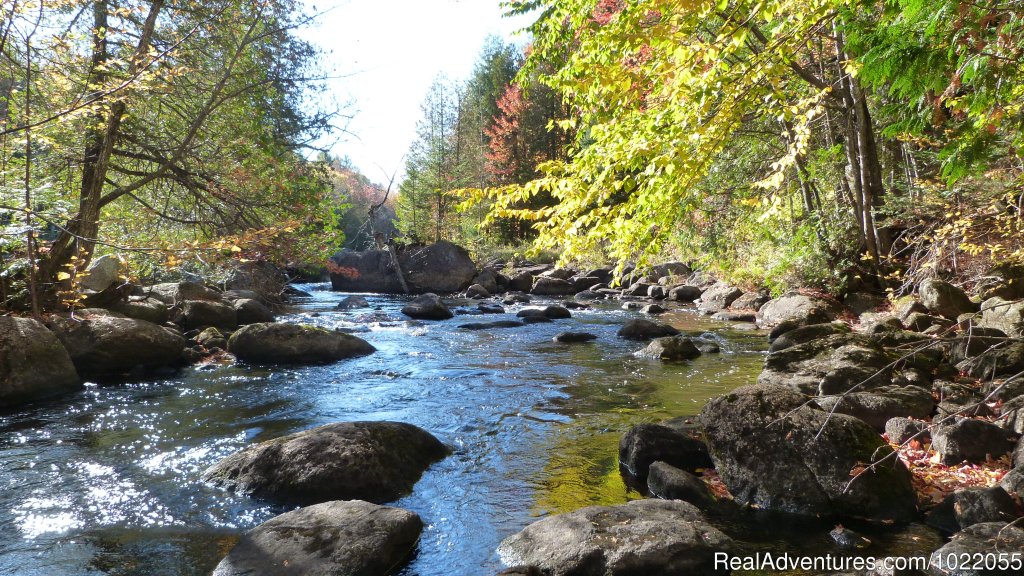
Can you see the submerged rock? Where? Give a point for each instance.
(638, 329)
(650, 537)
(775, 450)
(352, 303)
(280, 343)
(491, 325)
(670, 348)
(574, 337)
(33, 364)
(353, 537)
(374, 461)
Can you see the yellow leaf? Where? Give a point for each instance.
(63, 276)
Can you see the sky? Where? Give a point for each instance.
(385, 54)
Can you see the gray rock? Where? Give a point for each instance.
(442, 267)
(830, 365)
(552, 312)
(103, 346)
(879, 406)
(639, 329)
(975, 341)
(650, 537)
(970, 506)
(33, 364)
(1013, 482)
(970, 440)
(1006, 316)
(202, 313)
(477, 291)
(644, 444)
(374, 461)
(684, 293)
(670, 483)
(804, 334)
(248, 311)
(491, 325)
(734, 316)
(799, 308)
(775, 450)
(148, 309)
(670, 348)
(279, 343)
(1011, 415)
(637, 289)
(488, 280)
(653, 309)
(547, 286)
(516, 298)
(919, 322)
(574, 337)
(975, 542)
(750, 301)
(178, 292)
(101, 274)
(944, 299)
(212, 338)
(427, 307)
(901, 430)
(1005, 360)
(862, 302)
(718, 297)
(490, 308)
(656, 292)
(521, 282)
(353, 537)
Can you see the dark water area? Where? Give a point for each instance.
(107, 481)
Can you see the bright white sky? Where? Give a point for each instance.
(388, 52)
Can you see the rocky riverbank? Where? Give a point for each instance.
(888, 416)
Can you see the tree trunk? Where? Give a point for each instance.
(80, 235)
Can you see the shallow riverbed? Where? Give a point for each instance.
(107, 481)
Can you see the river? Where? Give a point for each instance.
(107, 481)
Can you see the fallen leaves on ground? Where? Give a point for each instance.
(933, 480)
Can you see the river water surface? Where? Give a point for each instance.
(107, 481)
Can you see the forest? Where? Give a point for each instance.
(826, 144)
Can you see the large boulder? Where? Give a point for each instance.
(774, 449)
(1004, 315)
(279, 343)
(684, 293)
(33, 364)
(353, 537)
(442, 268)
(638, 329)
(967, 439)
(970, 506)
(797, 307)
(102, 345)
(176, 292)
(650, 537)
(101, 273)
(718, 297)
(203, 313)
(551, 286)
(644, 444)
(988, 539)
(250, 311)
(1005, 360)
(427, 307)
(142, 308)
(831, 365)
(944, 299)
(878, 406)
(374, 461)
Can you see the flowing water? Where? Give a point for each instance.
(107, 481)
